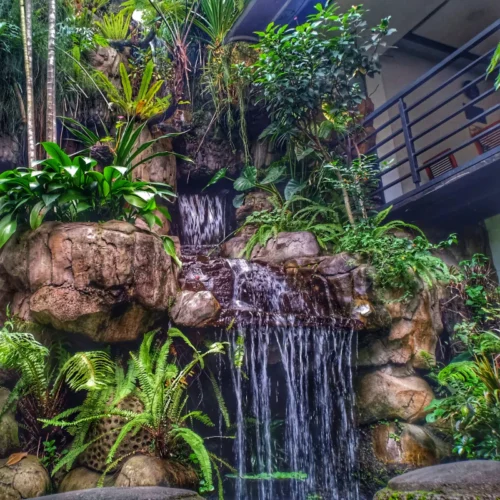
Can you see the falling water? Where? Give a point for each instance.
(203, 219)
(293, 398)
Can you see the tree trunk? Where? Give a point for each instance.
(51, 126)
(26, 28)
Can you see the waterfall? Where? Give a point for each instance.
(203, 219)
(293, 396)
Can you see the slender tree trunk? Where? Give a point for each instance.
(26, 28)
(51, 126)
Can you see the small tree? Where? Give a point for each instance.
(310, 80)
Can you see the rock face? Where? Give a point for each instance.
(9, 430)
(106, 281)
(477, 479)
(286, 246)
(25, 479)
(82, 478)
(256, 201)
(407, 444)
(392, 392)
(194, 309)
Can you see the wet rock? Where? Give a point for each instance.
(234, 247)
(408, 445)
(9, 430)
(140, 493)
(194, 309)
(82, 478)
(287, 246)
(25, 479)
(392, 393)
(142, 470)
(475, 479)
(256, 201)
(145, 470)
(106, 281)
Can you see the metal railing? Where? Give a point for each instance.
(403, 132)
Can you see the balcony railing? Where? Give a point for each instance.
(425, 134)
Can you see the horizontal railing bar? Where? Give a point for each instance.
(451, 134)
(385, 141)
(390, 153)
(461, 146)
(392, 167)
(451, 79)
(427, 76)
(457, 112)
(447, 100)
(378, 129)
(397, 181)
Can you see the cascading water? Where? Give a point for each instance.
(203, 219)
(293, 396)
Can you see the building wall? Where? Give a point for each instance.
(399, 70)
(493, 228)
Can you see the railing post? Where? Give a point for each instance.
(410, 147)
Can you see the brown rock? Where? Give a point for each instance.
(25, 479)
(234, 247)
(408, 445)
(106, 281)
(82, 478)
(142, 470)
(194, 309)
(9, 430)
(287, 246)
(256, 201)
(392, 393)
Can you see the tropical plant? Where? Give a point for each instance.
(115, 26)
(51, 122)
(495, 61)
(158, 379)
(27, 32)
(396, 259)
(470, 385)
(308, 78)
(146, 103)
(45, 375)
(71, 189)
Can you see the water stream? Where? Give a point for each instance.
(203, 219)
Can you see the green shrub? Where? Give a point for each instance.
(71, 189)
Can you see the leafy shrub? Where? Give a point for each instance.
(45, 375)
(159, 380)
(115, 26)
(397, 259)
(470, 384)
(71, 189)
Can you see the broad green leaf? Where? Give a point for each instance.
(7, 231)
(72, 170)
(238, 200)
(293, 187)
(243, 184)
(135, 201)
(37, 214)
(221, 174)
(274, 175)
(55, 152)
(169, 246)
(49, 199)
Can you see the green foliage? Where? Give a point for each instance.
(145, 104)
(115, 26)
(44, 376)
(495, 61)
(470, 385)
(71, 189)
(158, 378)
(396, 259)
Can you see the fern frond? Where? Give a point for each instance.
(197, 445)
(462, 371)
(220, 400)
(135, 424)
(200, 416)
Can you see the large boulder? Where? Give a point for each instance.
(477, 479)
(145, 470)
(256, 201)
(392, 393)
(9, 429)
(139, 493)
(194, 309)
(106, 281)
(287, 246)
(25, 479)
(82, 478)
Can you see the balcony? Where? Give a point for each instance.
(438, 140)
